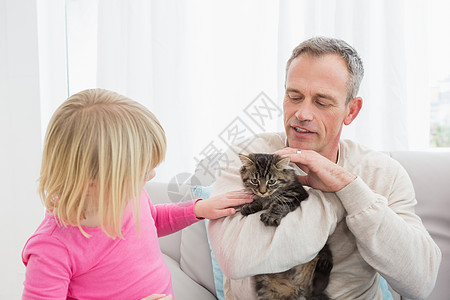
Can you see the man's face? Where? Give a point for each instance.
(314, 104)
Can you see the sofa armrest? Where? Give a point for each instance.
(430, 174)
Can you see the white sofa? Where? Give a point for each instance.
(188, 255)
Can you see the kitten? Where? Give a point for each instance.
(279, 192)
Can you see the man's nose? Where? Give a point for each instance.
(305, 111)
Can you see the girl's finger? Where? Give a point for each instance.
(228, 212)
(220, 213)
(238, 201)
(239, 194)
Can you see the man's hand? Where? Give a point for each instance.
(321, 173)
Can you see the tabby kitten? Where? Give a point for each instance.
(279, 192)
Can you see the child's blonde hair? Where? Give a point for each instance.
(103, 139)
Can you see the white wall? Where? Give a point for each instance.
(20, 136)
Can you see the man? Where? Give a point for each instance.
(361, 202)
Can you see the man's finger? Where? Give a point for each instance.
(285, 151)
(303, 179)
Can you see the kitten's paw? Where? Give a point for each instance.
(246, 210)
(324, 265)
(270, 220)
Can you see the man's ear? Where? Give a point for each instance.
(354, 107)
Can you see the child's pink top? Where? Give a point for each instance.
(63, 264)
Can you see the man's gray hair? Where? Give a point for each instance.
(320, 46)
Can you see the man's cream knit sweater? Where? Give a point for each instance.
(370, 225)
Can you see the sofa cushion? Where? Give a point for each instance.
(195, 255)
(204, 192)
(183, 286)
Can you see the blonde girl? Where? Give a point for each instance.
(99, 237)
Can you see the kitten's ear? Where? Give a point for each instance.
(283, 163)
(245, 160)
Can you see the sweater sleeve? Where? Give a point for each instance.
(390, 236)
(48, 269)
(172, 217)
(244, 246)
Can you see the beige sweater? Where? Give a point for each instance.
(370, 225)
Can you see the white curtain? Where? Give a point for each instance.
(204, 67)
(199, 64)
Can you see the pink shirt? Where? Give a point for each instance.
(63, 264)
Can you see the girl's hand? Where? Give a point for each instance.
(158, 297)
(221, 205)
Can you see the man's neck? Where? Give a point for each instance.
(332, 154)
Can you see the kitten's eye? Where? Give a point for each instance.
(272, 181)
(254, 181)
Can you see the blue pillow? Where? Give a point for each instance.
(385, 289)
(204, 192)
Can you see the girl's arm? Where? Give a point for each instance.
(172, 217)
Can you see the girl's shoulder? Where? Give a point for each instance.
(44, 242)
(59, 237)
